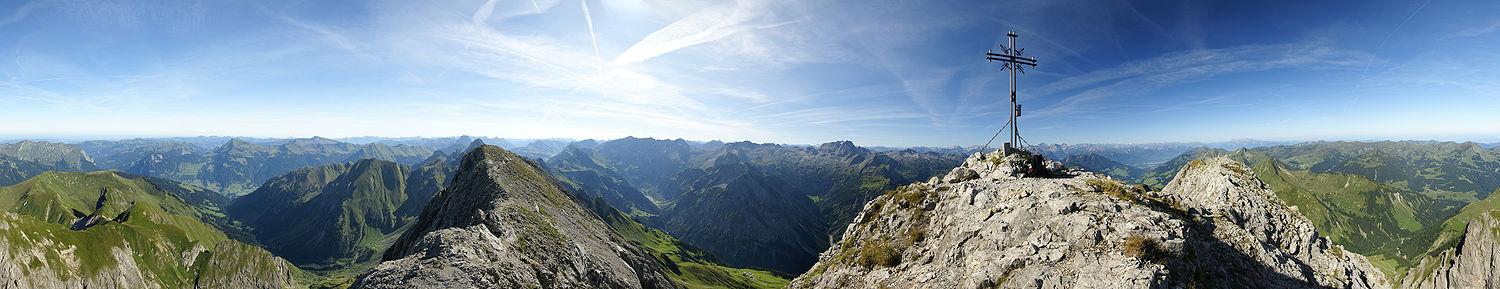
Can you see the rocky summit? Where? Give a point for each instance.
(984, 225)
(1473, 263)
(503, 223)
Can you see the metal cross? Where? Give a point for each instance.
(1012, 61)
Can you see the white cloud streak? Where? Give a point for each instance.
(711, 24)
(1142, 77)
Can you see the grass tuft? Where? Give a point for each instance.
(1114, 188)
(879, 253)
(1144, 248)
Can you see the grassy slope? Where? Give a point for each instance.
(687, 266)
(334, 220)
(161, 227)
(1452, 230)
(1390, 225)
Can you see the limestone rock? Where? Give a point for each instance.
(1474, 263)
(504, 224)
(1217, 227)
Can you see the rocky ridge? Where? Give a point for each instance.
(981, 226)
(1474, 263)
(504, 224)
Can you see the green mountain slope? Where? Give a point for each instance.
(326, 216)
(587, 171)
(646, 162)
(335, 220)
(1461, 171)
(13, 170)
(400, 153)
(746, 218)
(167, 240)
(1452, 229)
(1391, 225)
(687, 266)
(842, 177)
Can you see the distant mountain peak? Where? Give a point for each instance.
(729, 159)
(842, 148)
(236, 144)
(476, 143)
(316, 140)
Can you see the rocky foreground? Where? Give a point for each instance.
(504, 224)
(1474, 263)
(981, 226)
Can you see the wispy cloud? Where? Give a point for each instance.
(594, 39)
(1475, 31)
(22, 12)
(1140, 78)
(710, 24)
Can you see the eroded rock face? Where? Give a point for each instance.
(1249, 236)
(1472, 264)
(504, 224)
(982, 227)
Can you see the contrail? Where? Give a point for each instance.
(595, 38)
(1389, 36)
(538, 7)
(483, 13)
(1364, 72)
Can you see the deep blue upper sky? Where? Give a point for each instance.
(876, 72)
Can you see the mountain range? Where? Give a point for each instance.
(714, 191)
(642, 212)
(238, 167)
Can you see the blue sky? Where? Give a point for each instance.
(876, 72)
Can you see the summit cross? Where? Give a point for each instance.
(1011, 59)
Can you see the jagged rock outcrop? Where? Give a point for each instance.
(981, 226)
(1270, 243)
(504, 224)
(1474, 263)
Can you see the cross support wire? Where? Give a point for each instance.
(1011, 60)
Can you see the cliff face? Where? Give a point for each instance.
(1249, 236)
(1472, 264)
(981, 226)
(504, 224)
